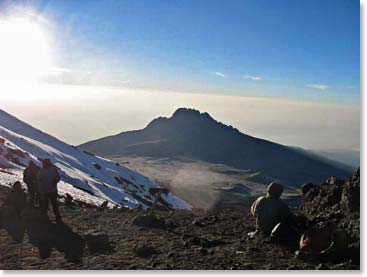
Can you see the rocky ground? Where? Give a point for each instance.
(335, 200)
(95, 238)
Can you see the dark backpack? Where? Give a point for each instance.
(30, 175)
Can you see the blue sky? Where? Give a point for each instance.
(290, 66)
(293, 49)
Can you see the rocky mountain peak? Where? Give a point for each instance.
(191, 114)
(183, 117)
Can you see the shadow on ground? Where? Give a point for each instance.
(42, 233)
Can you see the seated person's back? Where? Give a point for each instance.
(269, 210)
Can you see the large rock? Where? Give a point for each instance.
(332, 196)
(351, 194)
(336, 202)
(150, 221)
(145, 250)
(98, 242)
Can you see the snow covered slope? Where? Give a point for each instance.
(84, 176)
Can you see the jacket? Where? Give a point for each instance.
(268, 212)
(48, 177)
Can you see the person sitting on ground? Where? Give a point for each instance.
(16, 198)
(269, 210)
(48, 177)
(30, 178)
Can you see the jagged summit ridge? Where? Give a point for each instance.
(184, 116)
(188, 112)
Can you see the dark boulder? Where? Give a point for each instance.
(97, 166)
(350, 196)
(307, 187)
(98, 242)
(150, 221)
(145, 250)
(198, 223)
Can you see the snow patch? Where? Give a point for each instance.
(81, 178)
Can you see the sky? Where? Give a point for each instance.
(291, 54)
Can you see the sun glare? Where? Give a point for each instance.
(24, 52)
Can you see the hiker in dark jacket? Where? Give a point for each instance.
(48, 177)
(30, 178)
(16, 198)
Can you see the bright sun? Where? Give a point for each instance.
(24, 52)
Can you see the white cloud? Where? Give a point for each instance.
(59, 70)
(251, 77)
(349, 87)
(219, 74)
(318, 86)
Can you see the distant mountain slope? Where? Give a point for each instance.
(336, 158)
(83, 175)
(189, 133)
(349, 157)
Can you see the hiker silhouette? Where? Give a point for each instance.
(10, 214)
(48, 177)
(30, 175)
(16, 198)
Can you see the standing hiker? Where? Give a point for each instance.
(269, 210)
(48, 177)
(30, 178)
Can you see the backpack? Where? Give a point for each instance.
(317, 239)
(30, 175)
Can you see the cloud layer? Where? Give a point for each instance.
(251, 77)
(219, 74)
(318, 86)
(75, 108)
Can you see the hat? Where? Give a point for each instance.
(275, 189)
